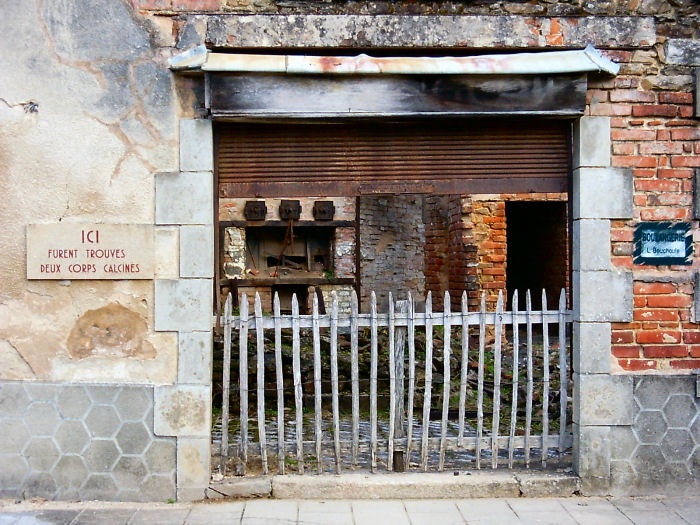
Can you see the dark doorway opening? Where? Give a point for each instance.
(537, 251)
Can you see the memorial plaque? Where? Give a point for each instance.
(663, 243)
(90, 251)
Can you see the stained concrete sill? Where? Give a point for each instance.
(482, 484)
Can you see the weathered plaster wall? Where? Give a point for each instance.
(88, 112)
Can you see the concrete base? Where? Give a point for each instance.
(400, 486)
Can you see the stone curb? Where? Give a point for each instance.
(399, 486)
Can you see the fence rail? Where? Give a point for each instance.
(408, 428)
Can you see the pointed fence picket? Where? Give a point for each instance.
(403, 324)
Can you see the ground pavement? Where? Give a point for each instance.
(502, 511)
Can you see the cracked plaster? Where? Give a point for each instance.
(87, 116)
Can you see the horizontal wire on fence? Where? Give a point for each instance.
(503, 387)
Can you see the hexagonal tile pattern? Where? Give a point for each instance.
(102, 421)
(100, 455)
(41, 453)
(677, 445)
(13, 399)
(132, 438)
(13, 436)
(132, 404)
(73, 402)
(650, 426)
(72, 437)
(82, 442)
(42, 419)
(129, 472)
(665, 441)
(679, 411)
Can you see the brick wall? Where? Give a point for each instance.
(652, 133)
(437, 240)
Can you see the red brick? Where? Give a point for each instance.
(622, 262)
(656, 185)
(691, 161)
(152, 4)
(691, 337)
(684, 123)
(670, 199)
(686, 364)
(669, 301)
(640, 200)
(611, 110)
(637, 364)
(622, 336)
(631, 95)
(659, 336)
(654, 110)
(686, 111)
(633, 134)
(685, 134)
(624, 148)
(672, 173)
(665, 351)
(656, 315)
(694, 350)
(675, 97)
(661, 148)
(660, 214)
(634, 161)
(617, 235)
(626, 350)
(654, 288)
(640, 301)
(663, 134)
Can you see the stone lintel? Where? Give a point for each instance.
(386, 31)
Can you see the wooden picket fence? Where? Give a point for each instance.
(401, 322)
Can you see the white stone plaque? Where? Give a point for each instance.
(90, 251)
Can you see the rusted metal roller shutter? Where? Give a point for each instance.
(470, 156)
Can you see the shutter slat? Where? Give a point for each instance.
(255, 156)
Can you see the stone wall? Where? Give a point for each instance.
(85, 442)
(660, 450)
(392, 239)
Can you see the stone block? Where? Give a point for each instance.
(182, 410)
(193, 463)
(591, 245)
(591, 348)
(158, 488)
(196, 145)
(603, 296)
(683, 51)
(13, 472)
(602, 193)
(167, 246)
(592, 451)
(70, 472)
(191, 494)
(677, 445)
(129, 472)
(592, 142)
(547, 485)
(194, 361)
(603, 400)
(99, 487)
(196, 251)
(184, 198)
(41, 453)
(183, 305)
(40, 485)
